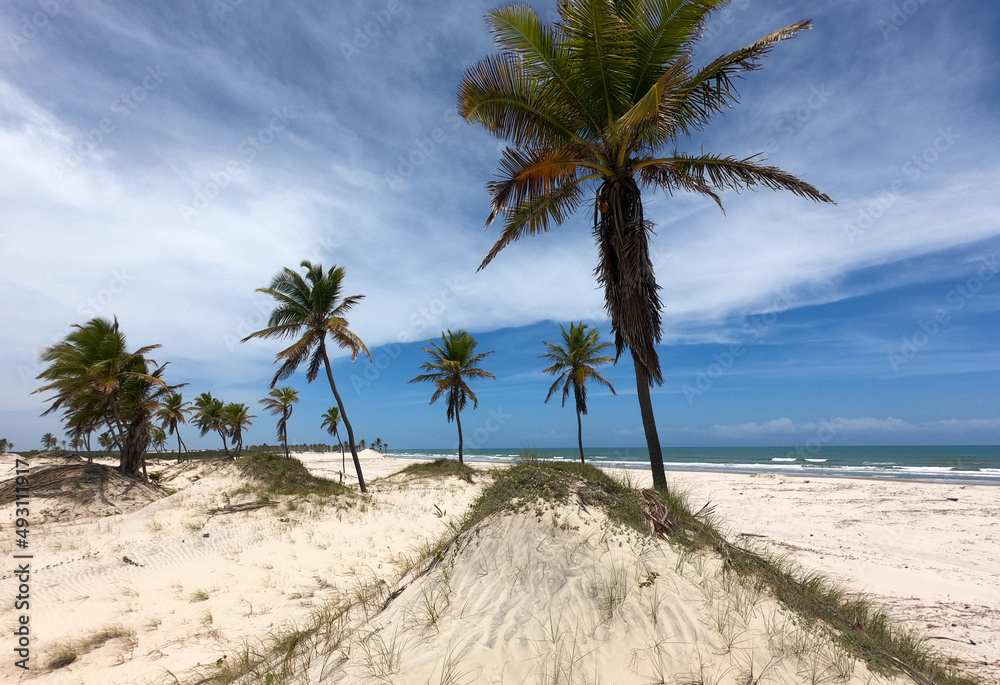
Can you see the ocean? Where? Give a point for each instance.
(966, 464)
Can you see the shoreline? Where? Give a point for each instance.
(812, 472)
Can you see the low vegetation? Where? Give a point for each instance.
(529, 481)
(66, 653)
(438, 468)
(276, 474)
(854, 622)
(850, 625)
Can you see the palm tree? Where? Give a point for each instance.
(330, 420)
(362, 445)
(279, 403)
(158, 437)
(5, 444)
(49, 441)
(173, 412)
(208, 416)
(106, 441)
(574, 363)
(97, 382)
(235, 419)
(449, 368)
(309, 309)
(595, 101)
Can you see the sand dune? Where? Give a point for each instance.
(563, 596)
(160, 589)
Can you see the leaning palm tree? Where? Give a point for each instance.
(158, 438)
(97, 382)
(450, 365)
(49, 441)
(308, 309)
(594, 105)
(209, 415)
(279, 403)
(172, 412)
(330, 421)
(235, 419)
(574, 363)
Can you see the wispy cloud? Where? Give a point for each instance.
(159, 162)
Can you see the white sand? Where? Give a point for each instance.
(523, 595)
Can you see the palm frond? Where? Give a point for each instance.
(532, 216)
(738, 174)
(712, 88)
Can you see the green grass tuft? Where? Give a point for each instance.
(438, 468)
(530, 480)
(276, 474)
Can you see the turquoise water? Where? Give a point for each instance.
(948, 463)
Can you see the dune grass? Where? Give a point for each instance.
(66, 653)
(853, 621)
(277, 474)
(438, 468)
(850, 622)
(530, 480)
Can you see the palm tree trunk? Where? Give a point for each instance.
(343, 415)
(649, 424)
(284, 434)
(224, 445)
(458, 419)
(579, 433)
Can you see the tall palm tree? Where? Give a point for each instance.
(308, 309)
(330, 421)
(362, 444)
(209, 416)
(279, 403)
(5, 444)
(235, 419)
(97, 382)
(597, 101)
(574, 363)
(173, 412)
(450, 365)
(49, 441)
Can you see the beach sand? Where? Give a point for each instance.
(155, 588)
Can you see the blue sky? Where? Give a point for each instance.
(159, 161)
